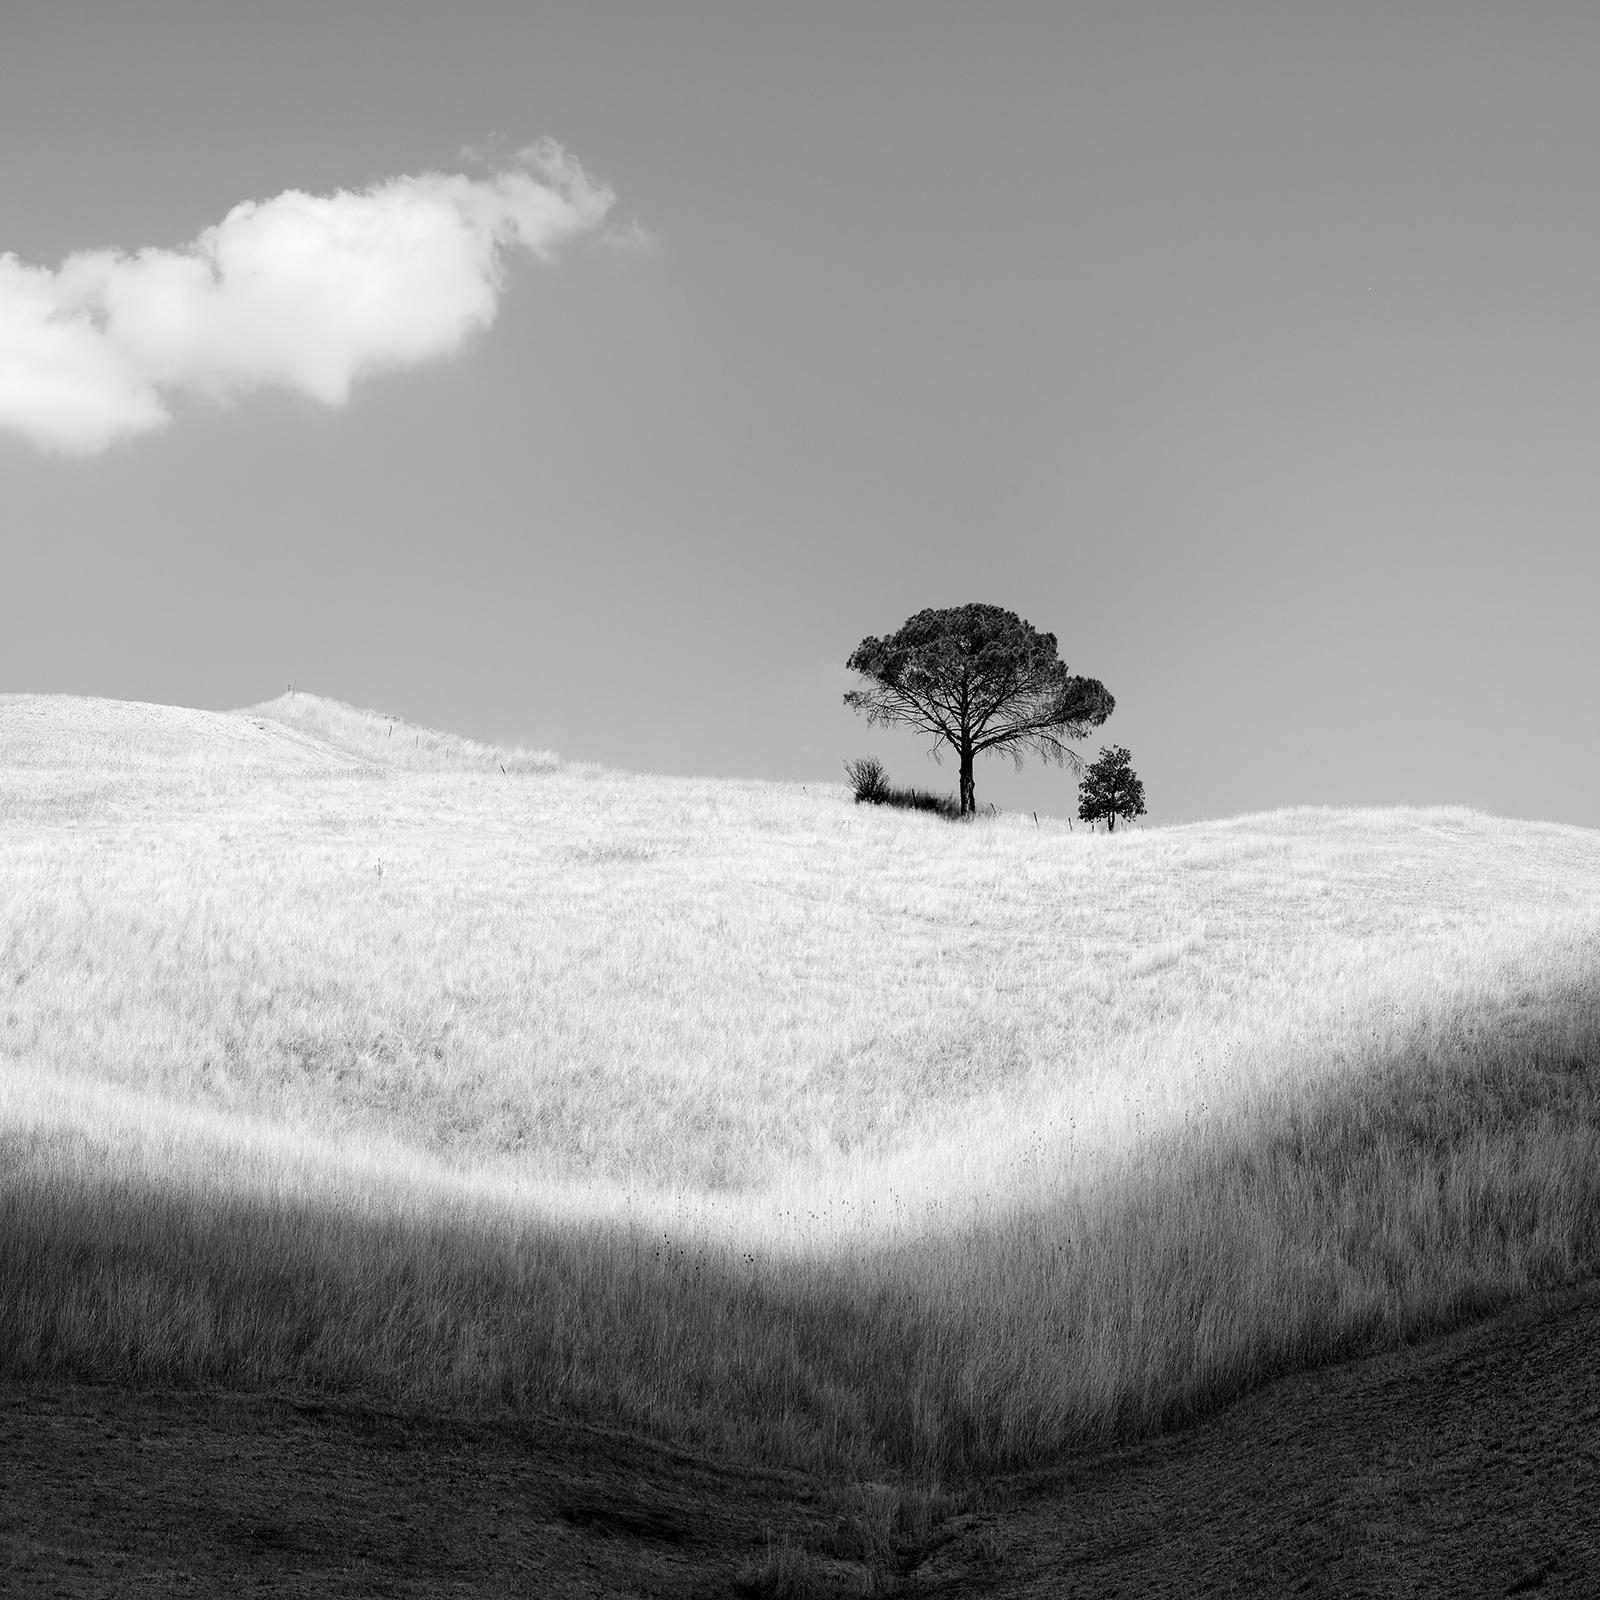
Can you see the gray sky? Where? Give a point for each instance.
(1253, 350)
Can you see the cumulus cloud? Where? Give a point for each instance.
(303, 292)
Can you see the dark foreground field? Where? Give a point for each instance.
(1466, 1466)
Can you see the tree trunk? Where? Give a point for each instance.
(1111, 822)
(969, 801)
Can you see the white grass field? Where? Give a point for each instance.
(338, 1055)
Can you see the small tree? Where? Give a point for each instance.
(1110, 789)
(978, 678)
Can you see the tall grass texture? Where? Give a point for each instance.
(819, 1134)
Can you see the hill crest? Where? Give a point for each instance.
(386, 740)
(294, 733)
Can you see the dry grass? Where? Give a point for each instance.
(834, 1135)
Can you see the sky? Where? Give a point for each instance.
(595, 377)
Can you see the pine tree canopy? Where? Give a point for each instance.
(977, 677)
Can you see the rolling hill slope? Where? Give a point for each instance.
(392, 741)
(748, 1117)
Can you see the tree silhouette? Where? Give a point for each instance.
(1110, 789)
(977, 678)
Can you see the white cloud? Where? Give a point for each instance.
(302, 292)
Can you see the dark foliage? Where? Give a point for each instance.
(1110, 789)
(978, 678)
(872, 786)
(946, 805)
(868, 779)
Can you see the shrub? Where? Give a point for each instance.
(920, 800)
(870, 781)
(871, 784)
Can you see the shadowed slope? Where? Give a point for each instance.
(1469, 1465)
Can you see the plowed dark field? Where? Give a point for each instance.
(1466, 1466)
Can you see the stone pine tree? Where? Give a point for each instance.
(977, 678)
(1110, 789)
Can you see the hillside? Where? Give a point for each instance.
(108, 739)
(1466, 1465)
(392, 741)
(839, 1138)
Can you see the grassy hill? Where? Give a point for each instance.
(392, 741)
(342, 1059)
